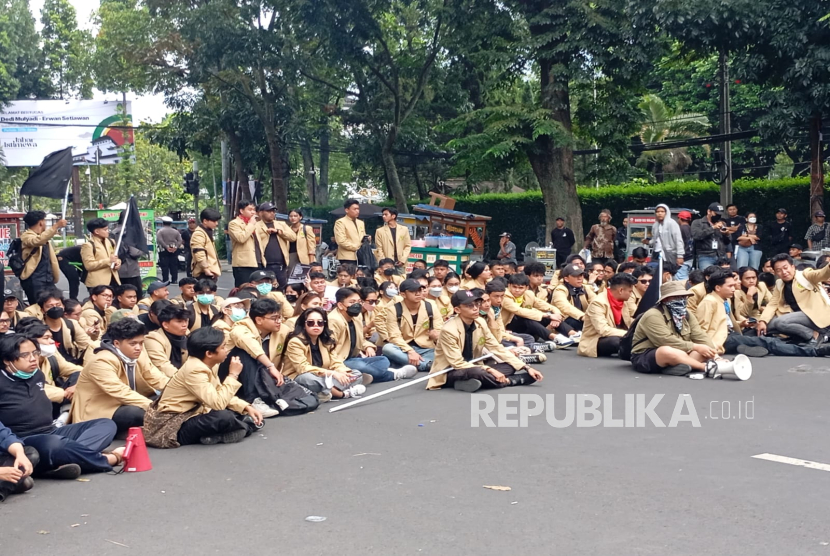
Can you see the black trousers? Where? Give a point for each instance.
(188, 261)
(573, 323)
(7, 460)
(535, 328)
(128, 416)
(214, 422)
(561, 255)
(72, 276)
(33, 287)
(169, 264)
(135, 281)
(242, 274)
(487, 380)
(608, 347)
(280, 271)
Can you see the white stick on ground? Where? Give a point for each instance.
(402, 386)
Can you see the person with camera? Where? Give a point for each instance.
(711, 237)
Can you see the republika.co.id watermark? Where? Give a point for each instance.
(591, 410)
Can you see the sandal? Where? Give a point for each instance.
(119, 457)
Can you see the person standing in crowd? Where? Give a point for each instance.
(748, 237)
(600, 240)
(349, 233)
(273, 239)
(186, 235)
(684, 218)
(168, 242)
(205, 260)
(733, 222)
(563, 240)
(666, 237)
(244, 242)
(393, 241)
(304, 249)
(507, 249)
(129, 272)
(71, 263)
(41, 265)
(817, 236)
(780, 233)
(99, 257)
(621, 240)
(711, 237)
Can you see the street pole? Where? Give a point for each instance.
(196, 194)
(725, 129)
(77, 220)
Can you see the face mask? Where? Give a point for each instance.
(482, 312)
(264, 289)
(124, 358)
(435, 292)
(237, 314)
(291, 298)
(388, 272)
(47, 349)
(55, 312)
(391, 292)
(23, 375)
(752, 220)
(453, 289)
(205, 298)
(354, 309)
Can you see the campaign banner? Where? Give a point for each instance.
(96, 130)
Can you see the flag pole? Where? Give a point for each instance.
(66, 199)
(404, 385)
(123, 227)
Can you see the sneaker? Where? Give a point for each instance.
(66, 472)
(233, 436)
(407, 371)
(367, 379)
(823, 350)
(561, 341)
(354, 391)
(211, 440)
(24, 485)
(534, 358)
(428, 366)
(753, 351)
(469, 385)
(576, 337)
(539, 347)
(61, 420)
(677, 370)
(266, 410)
(521, 379)
(324, 397)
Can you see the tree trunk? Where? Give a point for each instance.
(279, 194)
(422, 194)
(553, 165)
(393, 183)
(323, 182)
(309, 173)
(816, 166)
(242, 192)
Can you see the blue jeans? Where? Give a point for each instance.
(399, 358)
(705, 261)
(683, 271)
(377, 367)
(79, 443)
(748, 256)
(776, 346)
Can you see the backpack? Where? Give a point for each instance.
(366, 258)
(626, 341)
(15, 256)
(399, 312)
(83, 268)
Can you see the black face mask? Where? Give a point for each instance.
(291, 297)
(55, 312)
(354, 309)
(389, 272)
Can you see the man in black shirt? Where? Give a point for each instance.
(781, 235)
(70, 263)
(186, 235)
(273, 237)
(733, 222)
(563, 241)
(65, 452)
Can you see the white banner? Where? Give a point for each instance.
(96, 130)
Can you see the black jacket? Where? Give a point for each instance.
(704, 234)
(563, 239)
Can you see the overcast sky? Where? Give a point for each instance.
(145, 108)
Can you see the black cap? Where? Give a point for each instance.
(266, 206)
(463, 297)
(716, 207)
(797, 246)
(560, 218)
(258, 275)
(782, 210)
(409, 286)
(573, 270)
(157, 285)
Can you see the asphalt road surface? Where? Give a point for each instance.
(405, 474)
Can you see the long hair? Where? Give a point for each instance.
(325, 337)
(305, 298)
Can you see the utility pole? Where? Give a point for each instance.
(225, 171)
(725, 129)
(77, 220)
(196, 190)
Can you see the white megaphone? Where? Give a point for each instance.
(739, 368)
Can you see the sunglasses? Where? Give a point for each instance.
(369, 301)
(644, 281)
(315, 323)
(5, 321)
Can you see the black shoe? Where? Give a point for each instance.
(823, 350)
(521, 379)
(234, 436)
(752, 351)
(534, 358)
(211, 440)
(25, 484)
(469, 385)
(67, 472)
(677, 370)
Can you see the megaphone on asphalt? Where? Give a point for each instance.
(136, 457)
(739, 368)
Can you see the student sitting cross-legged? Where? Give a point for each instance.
(310, 361)
(463, 339)
(196, 407)
(167, 346)
(607, 318)
(17, 463)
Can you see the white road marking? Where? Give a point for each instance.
(794, 461)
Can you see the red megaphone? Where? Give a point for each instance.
(136, 457)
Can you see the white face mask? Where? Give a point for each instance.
(391, 292)
(452, 289)
(435, 292)
(752, 220)
(48, 349)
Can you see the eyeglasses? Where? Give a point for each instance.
(315, 323)
(5, 321)
(369, 301)
(30, 354)
(275, 318)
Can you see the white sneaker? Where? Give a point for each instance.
(354, 391)
(266, 410)
(61, 420)
(576, 337)
(561, 341)
(407, 371)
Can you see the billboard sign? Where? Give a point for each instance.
(95, 129)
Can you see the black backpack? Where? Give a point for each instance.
(399, 312)
(15, 256)
(626, 341)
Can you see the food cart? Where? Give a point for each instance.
(639, 228)
(10, 229)
(455, 237)
(146, 265)
(546, 256)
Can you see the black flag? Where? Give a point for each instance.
(132, 232)
(51, 178)
(652, 294)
